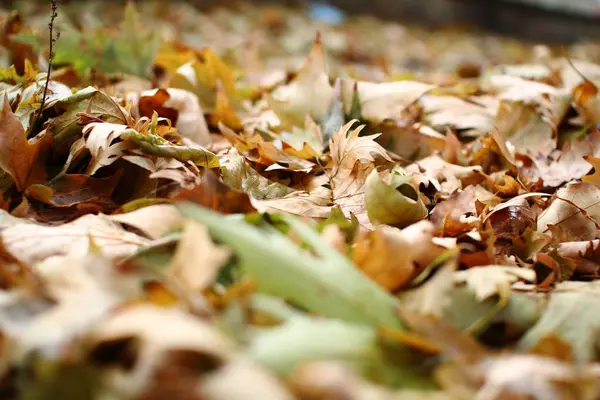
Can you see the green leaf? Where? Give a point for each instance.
(328, 284)
(157, 146)
(239, 175)
(572, 315)
(397, 203)
(64, 129)
(302, 339)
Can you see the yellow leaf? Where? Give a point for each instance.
(224, 112)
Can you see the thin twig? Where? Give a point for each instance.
(53, 41)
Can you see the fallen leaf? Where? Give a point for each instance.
(197, 260)
(18, 156)
(395, 202)
(308, 94)
(70, 189)
(179, 106)
(380, 101)
(353, 159)
(569, 316)
(576, 210)
(492, 280)
(65, 130)
(449, 111)
(31, 243)
(391, 257)
(212, 193)
(154, 221)
(102, 142)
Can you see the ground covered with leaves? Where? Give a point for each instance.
(265, 203)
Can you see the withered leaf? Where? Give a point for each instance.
(19, 156)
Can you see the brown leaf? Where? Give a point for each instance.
(213, 194)
(586, 256)
(18, 156)
(73, 189)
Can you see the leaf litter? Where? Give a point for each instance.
(261, 202)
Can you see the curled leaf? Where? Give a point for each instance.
(395, 202)
(157, 146)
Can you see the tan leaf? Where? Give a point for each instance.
(309, 93)
(523, 126)
(446, 176)
(570, 162)
(492, 280)
(379, 101)
(347, 148)
(154, 221)
(197, 260)
(442, 111)
(31, 243)
(586, 255)
(576, 210)
(99, 141)
(314, 204)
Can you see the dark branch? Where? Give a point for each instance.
(53, 41)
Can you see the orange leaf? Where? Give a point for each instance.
(594, 178)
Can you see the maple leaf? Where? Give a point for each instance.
(346, 148)
(102, 142)
(353, 160)
(570, 162)
(19, 156)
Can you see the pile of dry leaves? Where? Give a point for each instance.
(190, 213)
